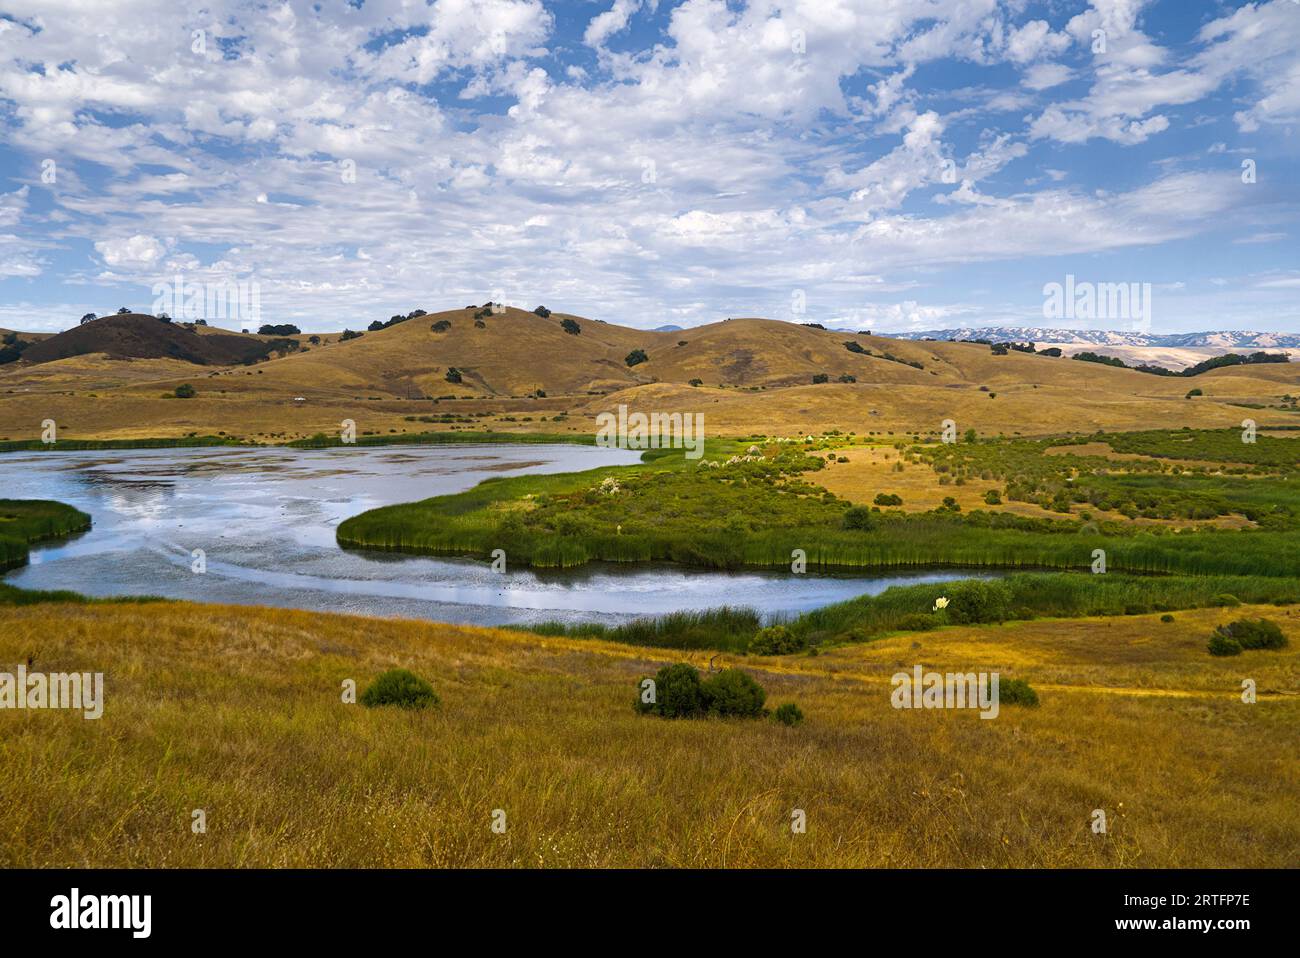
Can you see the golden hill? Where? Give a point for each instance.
(238, 711)
(518, 371)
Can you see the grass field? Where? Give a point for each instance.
(237, 711)
(519, 372)
(756, 508)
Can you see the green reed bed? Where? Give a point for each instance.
(84, 445)
(12, 595)
(1047, 595)
(1029, 596)
(726, 629)
(24, 521)
(323, 441)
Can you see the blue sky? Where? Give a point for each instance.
(883, 164)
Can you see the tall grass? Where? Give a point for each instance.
(726, 629)
(1047, 595)
(1033, 595)
(81, 445)
(24, 521)
(323, 441)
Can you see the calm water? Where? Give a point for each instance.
(266, 519)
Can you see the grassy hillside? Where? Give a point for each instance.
(748, 371)
(237, 711)
(137, 336)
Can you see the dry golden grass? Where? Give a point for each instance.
(757, 377)
(237, 711)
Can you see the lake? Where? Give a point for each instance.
(265, 520)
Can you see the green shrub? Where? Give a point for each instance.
(1166, 618)
(399, 687)
(788, 714)
(917, 622)
(733, 692)
(888, 499)
(776, 640)
(1254, 634)
(185, 391)
(976, 600)
(992, 497)
(636, 357)
(1225, 600)
(858, 517)
(571, 327)
(819, 378)
(1016, 692)
(678, 693)
(1223, 645)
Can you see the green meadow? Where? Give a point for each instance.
(733, 510)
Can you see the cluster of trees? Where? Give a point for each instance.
(283, 329)
(379, 324)
(1002, 349)
(11, 348)
(1214, 362)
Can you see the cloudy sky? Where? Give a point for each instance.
(892, 164)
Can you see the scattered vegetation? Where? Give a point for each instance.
(1233, 637)
(678, 691)
(776, 640)
(399, 687)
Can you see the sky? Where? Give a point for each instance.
(894, 165)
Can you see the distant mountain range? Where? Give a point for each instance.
(1225, 339)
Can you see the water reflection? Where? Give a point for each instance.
(266, 519)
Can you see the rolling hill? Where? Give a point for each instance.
(515, 370)
(137, 336)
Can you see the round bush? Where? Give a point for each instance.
(858, 518)
(788, 714)
(678, 692)
(1016, 692)
(1221, 644)
(976, 600)
(399, 687)
(733, 692)
(1166, 618)
(1254, 634)
(775, 640)
(1225, 600)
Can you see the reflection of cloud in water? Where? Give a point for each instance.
(139, 503)
(266, 520)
